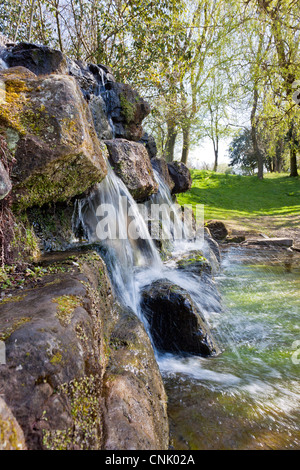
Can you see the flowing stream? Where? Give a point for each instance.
(248, 396)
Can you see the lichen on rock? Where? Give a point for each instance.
(57, 151)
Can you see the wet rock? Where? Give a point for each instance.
(50, 130)
(161, 166)
(135, 416)
(11, 435)
(86, 79)
(5, 183)
(212, 244)
(175, 322)
(150, 144)
(103, 125)
(131, 162)
(181, 176)
(194, 262)
(41, 60)
(217, 229)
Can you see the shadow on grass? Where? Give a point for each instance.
(243, 196)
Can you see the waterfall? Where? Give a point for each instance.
(124, 253)
(110, 218)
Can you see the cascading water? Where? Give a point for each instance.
(124, 254)
(248, 394)
(110, 218)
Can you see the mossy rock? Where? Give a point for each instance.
(49, 128)
(194, 262)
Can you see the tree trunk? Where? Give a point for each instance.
(185, 145)
(58, 26)
(31, 19)
(278, 156)
(216, 152)
(260, 164)
(294, 171)
(293, 151)
(170, 142)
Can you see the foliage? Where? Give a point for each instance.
(206, 67)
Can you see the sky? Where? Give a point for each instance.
(204, 154)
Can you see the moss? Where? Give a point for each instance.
(85, 434)
(66, 305)
(59, 182)
(56, 358)
(128, 109)
(25, 245)
(8, 435)
(7, 332)
(15, 298)
(12, 108)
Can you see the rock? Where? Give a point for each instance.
(41, 60)
(50, 130)
(5, 183)
(80, 372)
(127, 111)
(131, 163)
(181, 176)
(286, 242)
(236, 239)
(52, 224)
(150, 144)
(161, 166)
(135, 416)
(175, 322)
(103, 126)
(217, 229)
(53, 333)
(212, 244)
(195, 263)
(11, 435)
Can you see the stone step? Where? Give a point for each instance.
(287, 242)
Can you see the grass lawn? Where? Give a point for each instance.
(246, 202)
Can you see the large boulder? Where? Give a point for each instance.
(181, 176)
(55, 354)
(41, 60)
(5, 183)
(135, 399)
(131, 162)
(78, 365)
(175, 322)
(49, 128)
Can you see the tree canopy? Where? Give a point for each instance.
(207, 67)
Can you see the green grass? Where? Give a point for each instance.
(234, 197)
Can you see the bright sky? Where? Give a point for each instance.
(205, 153)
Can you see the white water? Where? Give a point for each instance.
(134, 263)
(123, 254)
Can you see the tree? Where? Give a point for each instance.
(282, 18)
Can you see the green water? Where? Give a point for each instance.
(249, 396)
